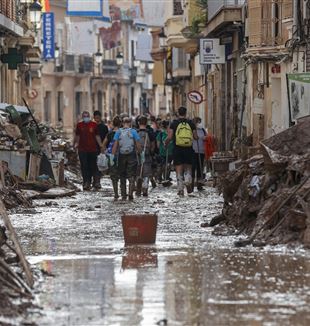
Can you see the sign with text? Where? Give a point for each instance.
(299, 95)
(89, 8)
(211, 52)
(48, 36)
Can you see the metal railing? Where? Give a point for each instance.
(214, 6)
(9, 8)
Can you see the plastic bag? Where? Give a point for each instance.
(102, 162)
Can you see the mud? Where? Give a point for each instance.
(190, 277)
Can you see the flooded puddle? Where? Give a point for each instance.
(188, 278)
(145, 286)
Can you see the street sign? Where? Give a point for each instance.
(211, 52)
(195, 97)
(48, 36)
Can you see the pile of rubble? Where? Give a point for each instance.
(267, 196)
(16, 278)
(33, 158)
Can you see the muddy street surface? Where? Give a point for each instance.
(190, 277)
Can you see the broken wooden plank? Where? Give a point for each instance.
(19, 250)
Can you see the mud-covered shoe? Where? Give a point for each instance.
(86, 186)
(189, 189)
(153, 183)
(181, 193)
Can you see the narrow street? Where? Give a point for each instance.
(190, 277)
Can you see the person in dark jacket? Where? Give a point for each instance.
(102, 132)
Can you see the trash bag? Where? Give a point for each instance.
(102, 162)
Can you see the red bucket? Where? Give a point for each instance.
(140, 228)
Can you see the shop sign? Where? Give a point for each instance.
(211, 52)
(48, 36)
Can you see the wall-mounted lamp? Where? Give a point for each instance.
(136, 63)
(98, 57)
(119, 59)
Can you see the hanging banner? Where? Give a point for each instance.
(88, 8)
(126, 9)
(48, 35)
(45, 5)
(299, 95)
(111, 36)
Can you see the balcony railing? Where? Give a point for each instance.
(214, 6)
(8, 8)
(177, 7)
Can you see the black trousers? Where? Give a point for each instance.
(197, 167)
(88, 162)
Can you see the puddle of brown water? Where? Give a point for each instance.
(144, 286)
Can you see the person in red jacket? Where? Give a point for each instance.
(86, 140)
(210, 148)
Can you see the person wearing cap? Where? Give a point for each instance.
(86, 141)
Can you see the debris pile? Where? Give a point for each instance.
(33, 158)
(16, 278)
(267, 196)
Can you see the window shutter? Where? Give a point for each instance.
(287, 9)
(255, 22)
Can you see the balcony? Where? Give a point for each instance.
(8, 18)
(68, 64)
(180, 63)
(86, 64)
(269, 24)
(222, 13)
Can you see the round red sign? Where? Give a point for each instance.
(195, 97)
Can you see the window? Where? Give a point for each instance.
(78, 104)
(60, 105)
(47, 107)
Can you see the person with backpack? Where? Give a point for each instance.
(126, 145)
(199, 155)
(165, 153)
(182, 132)
(113, 161)
(147, 144)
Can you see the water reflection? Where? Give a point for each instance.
(143, 287)
(139, 257)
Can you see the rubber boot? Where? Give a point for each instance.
(188, 181)
(131, 188)
(138, 187)
(180, 184)
(123, 189)
(153, 182)
(145, 186)
(96, 182)
(115, 189)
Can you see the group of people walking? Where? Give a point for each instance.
(142, 151)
